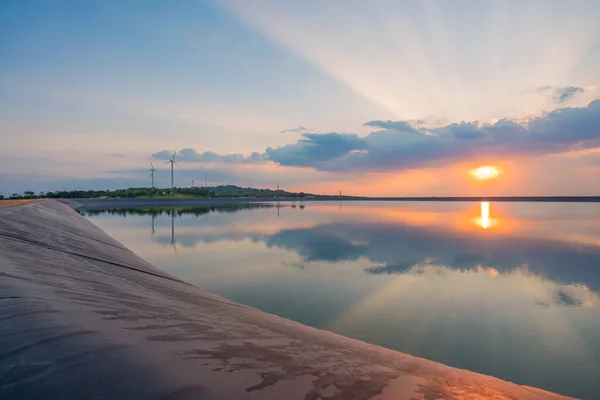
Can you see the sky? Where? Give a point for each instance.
(383, 97)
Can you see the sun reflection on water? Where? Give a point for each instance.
(485, 221)
(485, 214)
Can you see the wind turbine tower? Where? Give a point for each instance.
(173, 163)
(152, 169)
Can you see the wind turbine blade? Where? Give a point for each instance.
(166, 162)
(176, 164)
(174, 153)
(151, 165)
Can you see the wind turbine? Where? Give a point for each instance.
(153, 217)
(152, 169)
(173, 241)
(173, 162)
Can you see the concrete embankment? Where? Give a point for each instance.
(13, 203)
(82, 317)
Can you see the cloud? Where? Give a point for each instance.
(561, 94)
(398, 126)
(295, 130)
(399, 145)
(191, 155)
(315, 148)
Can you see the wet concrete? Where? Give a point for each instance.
(82, 317)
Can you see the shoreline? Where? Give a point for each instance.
(98, 204)
(85, 317)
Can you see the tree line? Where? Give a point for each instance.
(137, 192)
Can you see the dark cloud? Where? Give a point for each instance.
(398, 126)
(464, 130)
(191, 155)
(295, 130)
(560, 94)
(402, 145)
(399, 145)
(315, 148)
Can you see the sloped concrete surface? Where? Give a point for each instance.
(82, 317)
(12, 203)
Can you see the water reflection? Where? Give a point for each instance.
(504, 289)
(174, 213)
(485, 214)
(390, 247)
(194, 211)
(173, 231)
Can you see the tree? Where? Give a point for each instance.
(1, 197)
(133, 192)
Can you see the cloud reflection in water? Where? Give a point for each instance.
(515, 297)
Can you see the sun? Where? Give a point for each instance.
(485, 172)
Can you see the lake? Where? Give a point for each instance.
(505, 289)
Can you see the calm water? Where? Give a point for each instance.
(507, 289)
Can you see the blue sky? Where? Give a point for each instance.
(385, 97)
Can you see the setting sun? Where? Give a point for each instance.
(485, 172)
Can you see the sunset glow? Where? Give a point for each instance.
(313, 111)
(485, 172)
